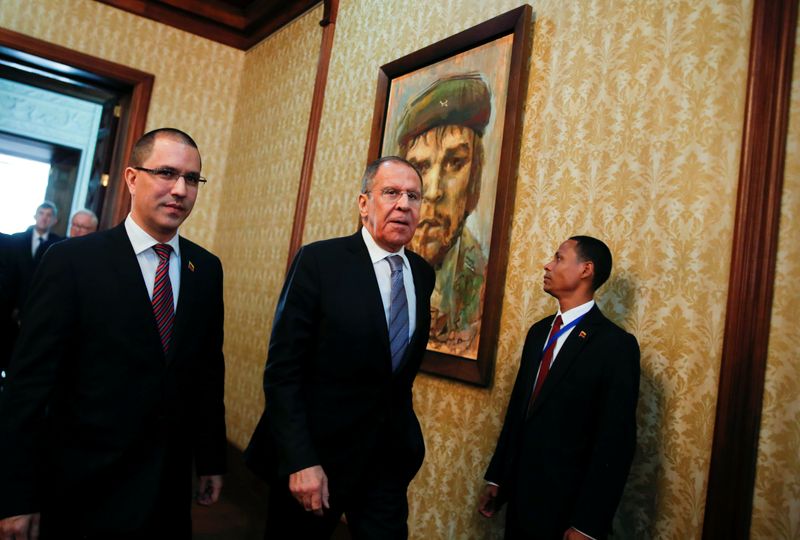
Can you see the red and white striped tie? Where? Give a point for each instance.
(163, 307)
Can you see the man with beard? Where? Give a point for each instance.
(441, 134)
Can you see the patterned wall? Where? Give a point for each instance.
(257, 206)
(776, 504)
(198, 97)
(631, 132)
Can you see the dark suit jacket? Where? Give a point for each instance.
(8, 291)
(96, 422)
(22, 264)
(565, 464)
(331, 396)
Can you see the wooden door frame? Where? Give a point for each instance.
(133, 117)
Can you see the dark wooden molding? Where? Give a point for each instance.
(729, 498)
(328, 24)
(229, 23)
(137, 84)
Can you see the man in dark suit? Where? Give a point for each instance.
(339, 433)
(8, 326)
(116, 383)
(569, 435)
(26, 250)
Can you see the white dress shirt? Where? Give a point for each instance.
(383, 272)
(148, 259)
(566, 318)
(36, 240)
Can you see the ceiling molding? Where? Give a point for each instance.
(236, 23)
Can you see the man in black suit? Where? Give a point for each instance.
(339, 433)
(116, 383)
(8, 326)
(569, 435)
(26, 250)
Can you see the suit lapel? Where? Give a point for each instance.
(571, 349)
(184, 312)
(530, 365)
(129, 273)
(363, 276)
(422, 330)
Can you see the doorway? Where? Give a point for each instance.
(86, 174)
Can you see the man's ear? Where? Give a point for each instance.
(363, 199)
(588, 270)
(130, 179)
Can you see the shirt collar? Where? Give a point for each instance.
(141, 241)
(377, 253)
(572, 314)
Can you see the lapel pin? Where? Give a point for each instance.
(191, 266)
(582, 335)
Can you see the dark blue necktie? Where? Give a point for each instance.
(398, 312)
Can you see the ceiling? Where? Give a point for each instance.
(238, 23)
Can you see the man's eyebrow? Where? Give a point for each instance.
(462, 148)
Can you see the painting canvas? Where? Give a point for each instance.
(446, 110)
(444, 119)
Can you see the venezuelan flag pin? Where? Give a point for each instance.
(582, 335)
(191, 266)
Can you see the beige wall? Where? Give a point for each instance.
(631, 132)
(257, 207)
(776, 505)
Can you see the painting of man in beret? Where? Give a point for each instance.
(448, 123)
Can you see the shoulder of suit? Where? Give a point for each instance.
(420, 263)
(609, 326)
(334, 245)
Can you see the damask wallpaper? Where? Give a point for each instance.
(198, 97)
(776, 502)
(257, 206)
(631, 132)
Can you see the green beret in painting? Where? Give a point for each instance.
(462, 100)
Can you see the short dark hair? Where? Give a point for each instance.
(49, 205)
(594, 250)
(372, 170)
(144, 146)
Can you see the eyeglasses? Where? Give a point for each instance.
(168, 174)
(391, 195)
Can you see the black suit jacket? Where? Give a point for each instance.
(8, 291)
(331, 396)
(565, 463)
(96, 422)
(22, 264)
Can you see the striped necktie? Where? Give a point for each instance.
(544, 365)
(163, 307)
(398, 312)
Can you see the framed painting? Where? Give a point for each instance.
(453, 109)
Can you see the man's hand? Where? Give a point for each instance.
(575, 534)
(209, 489)
(310, 487)
(487, 501)
(24, 527)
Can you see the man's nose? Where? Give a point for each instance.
(179, 187)
(433, 191)
(403, 202)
